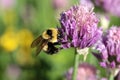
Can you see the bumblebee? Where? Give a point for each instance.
(47, 41)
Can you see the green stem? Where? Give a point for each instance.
(111, 77)
(76, 63)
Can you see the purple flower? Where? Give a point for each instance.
(6, 4)
(87, 2)
(13, 72)
(112, 6)
(103, 79)
(79, 27)
(85, 72)
(109, 48)
(58, 4)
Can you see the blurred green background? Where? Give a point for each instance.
(21, 21)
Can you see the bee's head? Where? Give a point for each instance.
(49, 32)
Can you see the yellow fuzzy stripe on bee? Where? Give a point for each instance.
(54, 35)
(45, 36)
(45, 48)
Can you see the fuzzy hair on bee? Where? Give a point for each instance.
(47, 41)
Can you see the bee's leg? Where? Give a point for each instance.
(51, 49)
(57, 43)
(55, 50)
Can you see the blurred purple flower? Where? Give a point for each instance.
(87, 3)
(58, 4)
(79, 27)
(109, 48)
(85, 72)
(13, 72)
(112, 6)
(5, 4)
(103, 79)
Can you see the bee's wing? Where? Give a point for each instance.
(36, 42)
(41, 45)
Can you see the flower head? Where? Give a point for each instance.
(87, 2)
(58, 4)
(13, 72)
(24, 56)
(112, 6)
(85, 72)
(7, 4)
(9, 40)
(25, 38)
(79, 27)
(109, 48)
